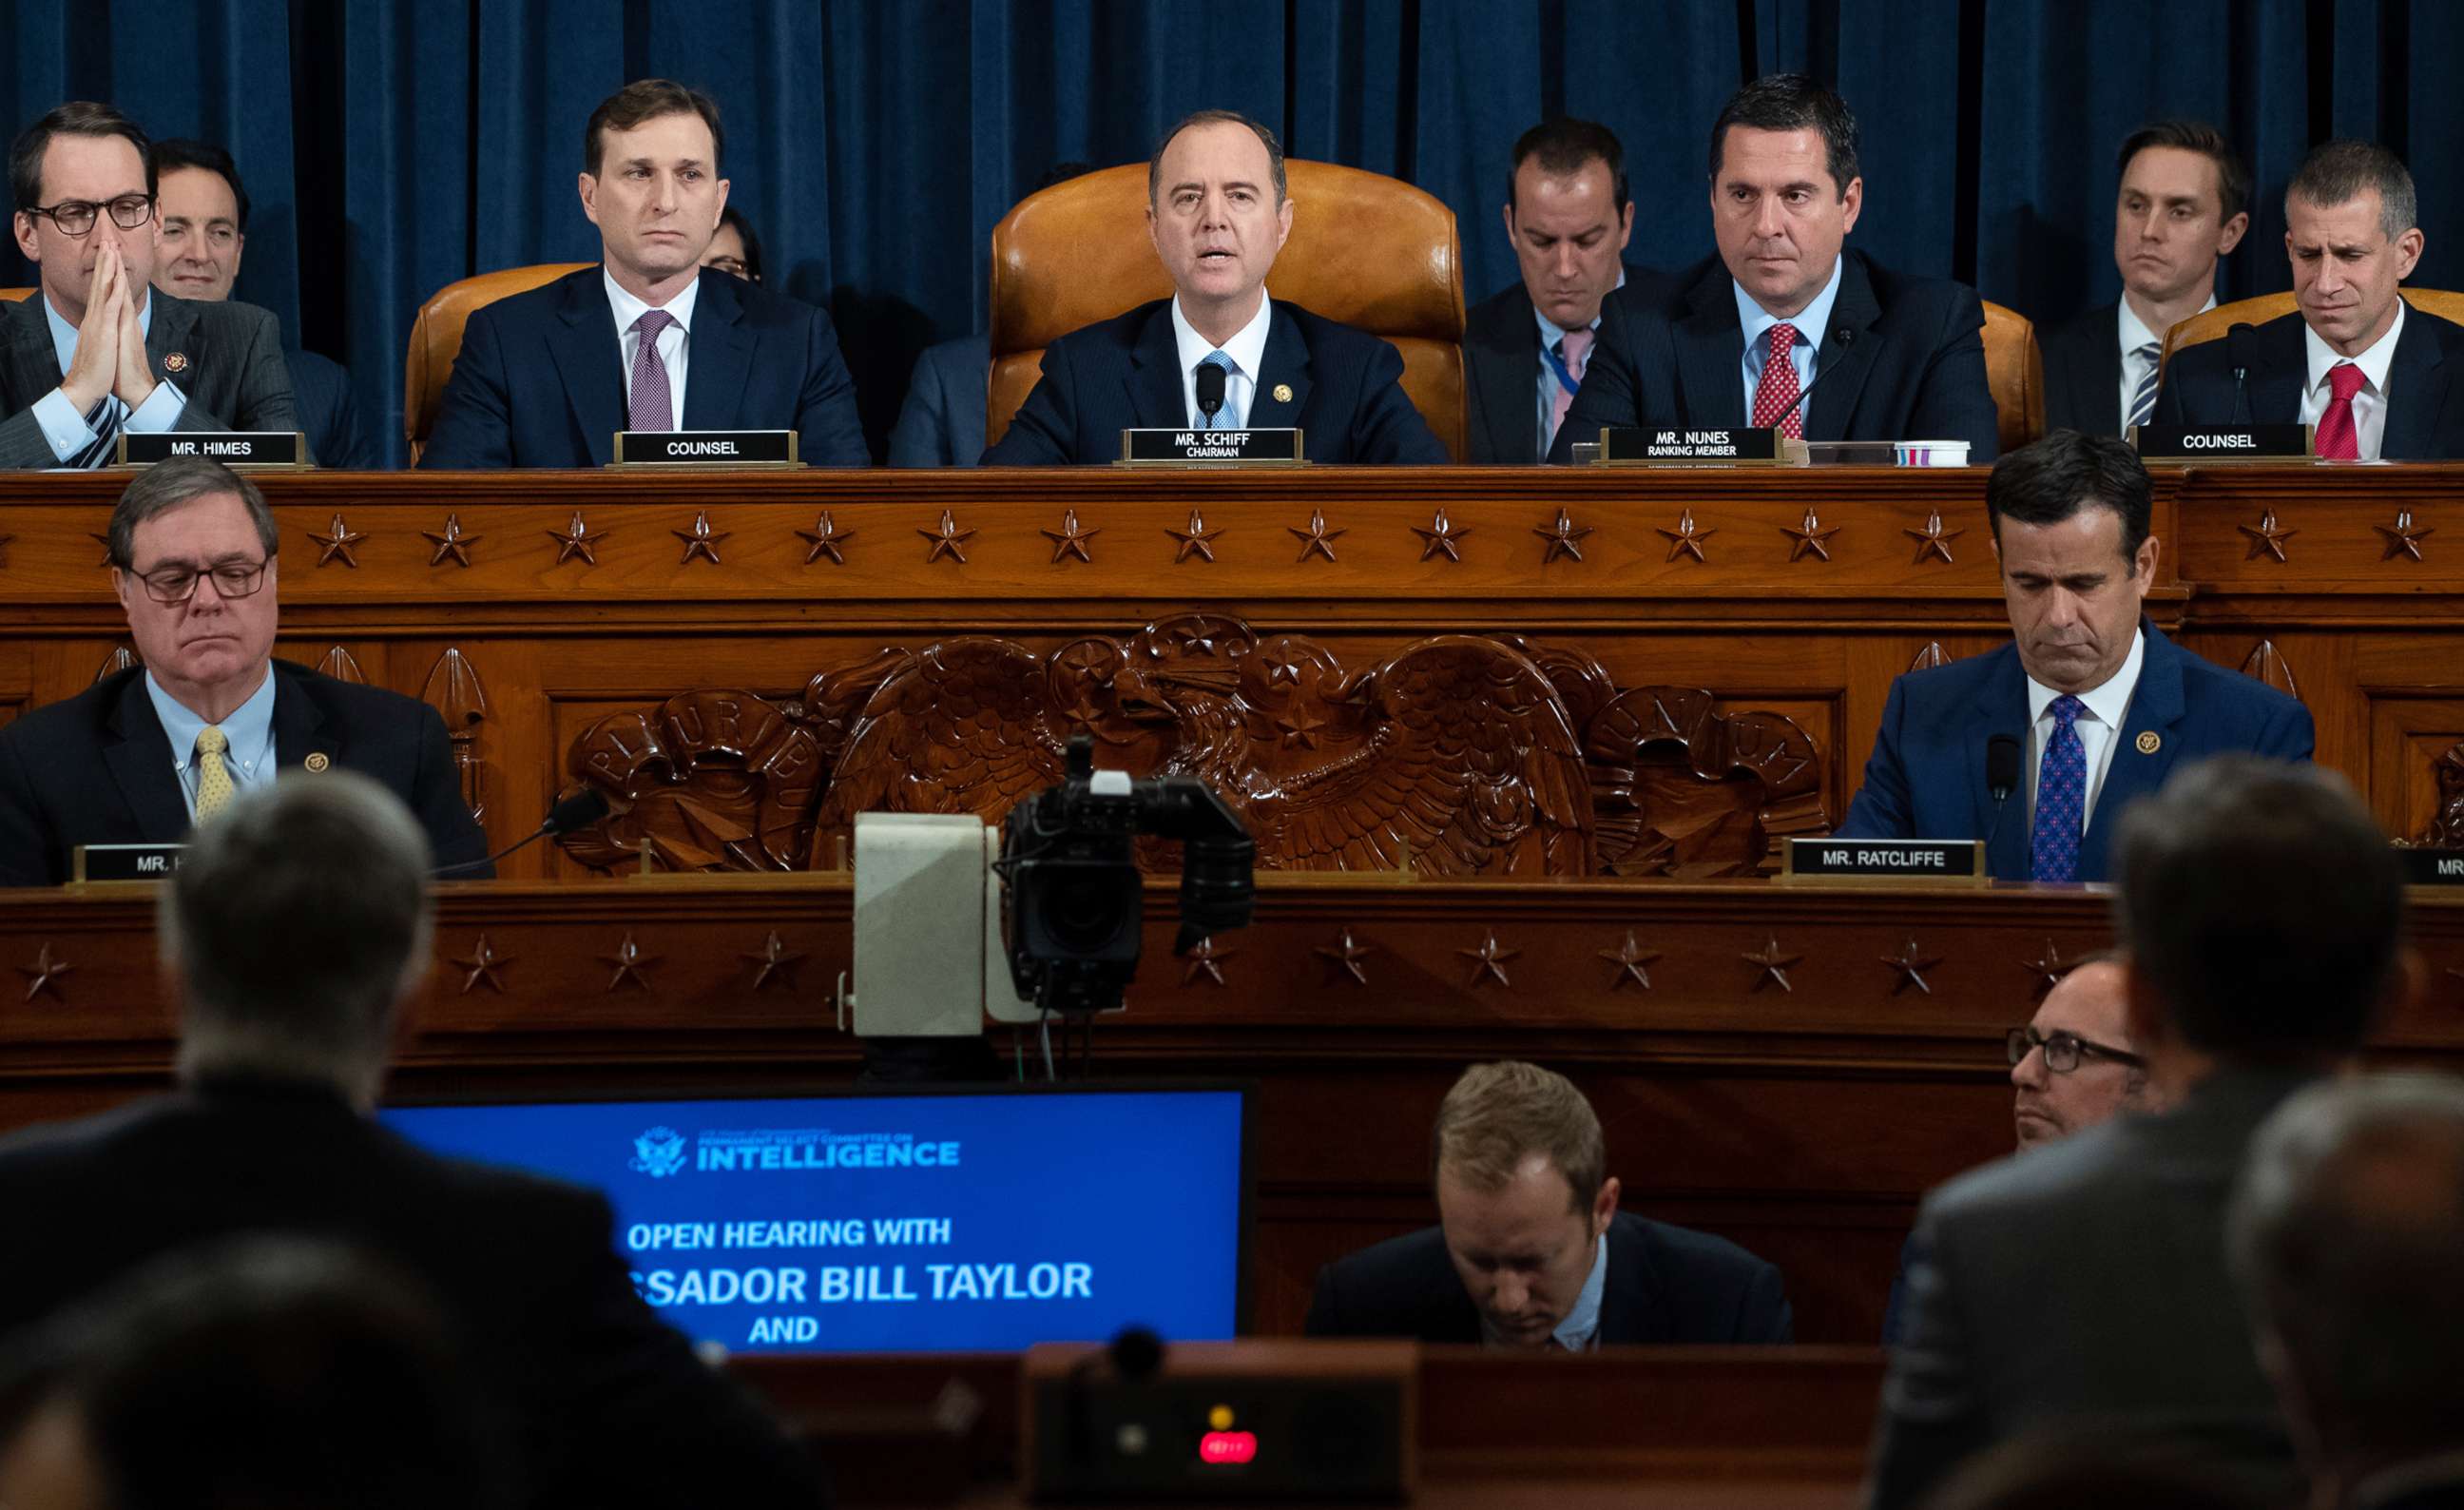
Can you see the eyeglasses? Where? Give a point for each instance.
(2063, 1051)
(75, 217)
(173, 586)
(731, 264)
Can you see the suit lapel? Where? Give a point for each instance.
(1157, 401)
(722, 358)
(139, 754)
(34, 363)
(300, 728)
(2416, 392)
(1838, 384)
(173, 329)
(1711, 356)
(2135, 770)
(2281, 371)
(1631, 1305)
(2001, 708)
(2096, 389)
(583, 342)
(1284, 365)
(1505, 380)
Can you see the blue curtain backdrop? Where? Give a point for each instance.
(391, 147)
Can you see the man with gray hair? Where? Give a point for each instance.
(295, 937)
(145, 753)
(2347, 1237)
(2376, 378)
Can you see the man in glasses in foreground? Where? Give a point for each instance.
(145, 753)
(95, 351)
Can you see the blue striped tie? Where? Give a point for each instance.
(1229, 417)
(105, 420)
(2143, 402)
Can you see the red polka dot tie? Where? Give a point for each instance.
(1775, 393)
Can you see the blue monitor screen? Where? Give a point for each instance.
(930, 1222)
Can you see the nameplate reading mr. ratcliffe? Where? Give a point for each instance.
(1861, 862)
(2226, 443)
(1210, 448)
(1677, 446)
(232, 448)
(705, 448)
(2433, 867)
(123, 862)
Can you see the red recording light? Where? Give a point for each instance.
(1227, 1447)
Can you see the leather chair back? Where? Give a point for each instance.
(1367, 249)
(436, 339)
(2212, 325)
(17, 296)
(2015, 370)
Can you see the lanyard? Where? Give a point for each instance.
(1557, 364)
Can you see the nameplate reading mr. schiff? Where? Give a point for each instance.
(705, 448)
(1679, 446)
(2433, 867)
(123, 862)
(1864, 862)
(232, 448)
(1210, 448)
(2229, 443)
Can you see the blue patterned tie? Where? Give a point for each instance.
(2143, 399)
(1229, 417)
(2061, 797)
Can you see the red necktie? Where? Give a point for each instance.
(2340, 438)
(1775, 393)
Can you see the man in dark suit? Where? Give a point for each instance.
(2082, 1287)
(2183, 205)
(96, 350)
(1530, 1250)
(941, 424)
(297, 935)
(2380, 381)
(648, 340)
(141, 755)
(1218, 215)
(203, 208)
(1783, 310)
(2100, 703)
(1569, 216)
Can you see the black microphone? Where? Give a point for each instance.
(1210, 390)
(1830, 356)
(580, 811)
(2001, 778)
(2237, 342)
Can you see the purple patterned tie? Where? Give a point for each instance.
(2061, 796)
(652, 407)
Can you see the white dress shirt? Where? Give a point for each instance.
(1813, 323)
(248, 755)
(2371, 402)
(59, 420)
(2098, 727)
(2133, 333)
(1246, 352)
(675, 342)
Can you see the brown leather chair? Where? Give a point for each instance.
(436, 339)
(2212, 325)
(17, 296)
(1367, 249)
(2014, 371)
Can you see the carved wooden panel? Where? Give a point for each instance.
(2446, 828)
(2416, 744)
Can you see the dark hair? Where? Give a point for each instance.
(171, 154)
(1563, 146)
(2263, 904)
(2233, 177)
(1792, 102)
(76, 118)
(2050, 480)
(1200, 117)
(733, 217)
(2336, 172)
(183, 479)
(647, 99)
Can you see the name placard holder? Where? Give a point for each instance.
(1884, 862)
(2431, 867)
(262, 450)
(1698, 446)
(2226, 442)
(699, 449)
(1212, 448)
(91, 864)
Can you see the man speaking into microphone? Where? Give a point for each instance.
(1784, 330)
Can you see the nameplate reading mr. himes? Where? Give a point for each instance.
(705, 448)
(2231, 443)
(1221, 448)
(232, 448)
(1684, 445)
(1956, 862)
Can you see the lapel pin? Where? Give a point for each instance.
(316, 762)
(176, 362)
(1283, 393)
(2149, 742)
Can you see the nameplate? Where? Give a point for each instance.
(232, 448)
(123, 862)
(2210, 443)
(1211, 448)
(1677, 446)
(1850, 862)
(2433, 867)
(705, 448)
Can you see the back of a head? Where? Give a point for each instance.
(2263, 904)
(2049, 480)
(1499, 1115)
(2337, 173)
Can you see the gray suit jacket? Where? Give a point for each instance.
(232, 370)
(2084, 1282)
(942, 422)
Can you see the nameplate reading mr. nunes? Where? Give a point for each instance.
(232, 448)
(705, 448)
(1855, 862)
(2224, 443)
(1676, 445)
(1210, 448)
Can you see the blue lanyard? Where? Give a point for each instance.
(1557, 365)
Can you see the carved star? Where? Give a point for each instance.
(1348, 954)
(2048, 968)
(1911, 968)
(1564, 535)
(1441, 535)
(336, 544)
(576, 539)
(1809, 537)
(776, 960)
(105, 541)
(1281, 670)
(1933, 540)
(1317, 537)
(1300, 728)
(44, 974)
(946, 540)
(2265, 539)
(1686, 538)
(1488, 960)
(1195, 541)
(1771, 965)
(482, 966)
(629, 961)
(1205, 960)
(2403, 537)
(827, 538)
(701, 540)
(1070, 540)
(1630, 958)
(1190, 640)
(452, 543)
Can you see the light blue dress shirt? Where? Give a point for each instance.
(1550, 333)
(249, 754)
(1813, 324)
(65, 428)
(1580, 1331)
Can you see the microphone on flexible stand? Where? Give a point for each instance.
(1210, 392)
(580, 811)
(2237, 343)
(2001, 779)
(1830, 356)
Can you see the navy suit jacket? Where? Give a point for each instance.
(540, 381)
(942, 422)
(1905, 361)
(329, 416)
(1666, 1284)
(1926, 777)
(1121, 373)
(2425, 418)
(2083, 373)
(1501, 349)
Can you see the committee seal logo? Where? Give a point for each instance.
(658, 1153)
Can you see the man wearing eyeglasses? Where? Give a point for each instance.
(96, 352)
(143, 755)
(2075, 1065)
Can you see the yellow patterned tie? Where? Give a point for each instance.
(213, 777)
